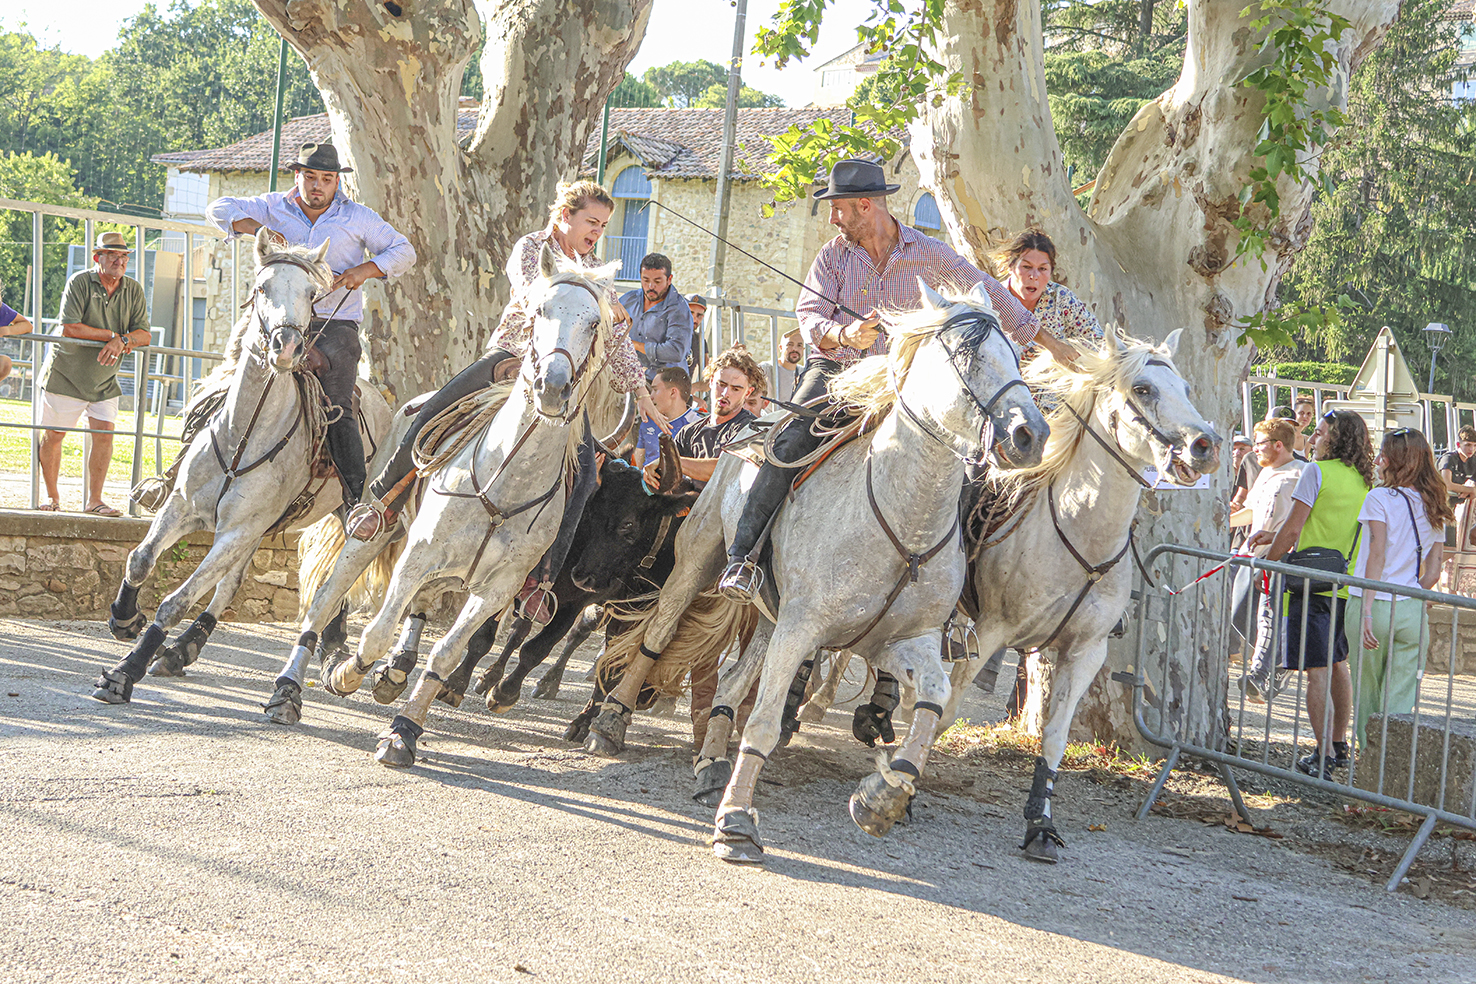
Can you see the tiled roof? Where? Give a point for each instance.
(255, 152)
(669, 143)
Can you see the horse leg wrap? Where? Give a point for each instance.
(735, 837)
(745, 778)
(137, 662)
(874, 720)
(1041, 839)
(285, 705)
(124, 618)
(113, 687)
(789, 723)
(297, 662)
(183, 651)
(397, 748)
(409, 644)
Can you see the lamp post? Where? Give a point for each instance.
(1437, 335)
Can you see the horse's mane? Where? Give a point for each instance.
(1106, 367)
(869, 384)
(220, 377)
(597, 393)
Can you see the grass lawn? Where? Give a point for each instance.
(15, 444)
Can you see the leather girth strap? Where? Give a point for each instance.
(234, 470)
(914, 561)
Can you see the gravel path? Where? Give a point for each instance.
(182, 838)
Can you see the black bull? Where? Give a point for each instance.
(625, 546)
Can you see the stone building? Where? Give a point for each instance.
(667, 156)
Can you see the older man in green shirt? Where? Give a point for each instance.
(99, 305)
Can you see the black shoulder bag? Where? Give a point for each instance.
(1327, 559)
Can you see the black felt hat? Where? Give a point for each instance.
(318, 157)
(857, 179)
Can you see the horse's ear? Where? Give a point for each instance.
(1114, 341)
(319, 253)
(931, 297)
(264, 245)
(548, 262)
(604, 275)
(1172, 342)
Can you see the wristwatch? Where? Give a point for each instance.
(127, 343)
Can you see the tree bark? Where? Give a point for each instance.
(390, 74)
(1154, 253)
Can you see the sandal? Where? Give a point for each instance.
(103, 509)
(50, 505)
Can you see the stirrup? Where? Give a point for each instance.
(537, 604)
(741, 581)
(369, 519)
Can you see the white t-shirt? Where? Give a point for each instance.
(1270, 499)
(1388, 506)
(1308, 485)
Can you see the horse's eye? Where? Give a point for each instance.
(1142, 389)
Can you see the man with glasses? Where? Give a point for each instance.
(1267, 507)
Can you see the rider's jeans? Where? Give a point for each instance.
(338, 344)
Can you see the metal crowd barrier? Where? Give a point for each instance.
(1434, 776)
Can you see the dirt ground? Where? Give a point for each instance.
(182, 838)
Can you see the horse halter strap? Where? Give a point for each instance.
(985, 407)
(1138, 417)
(914, 561)
(579, 369)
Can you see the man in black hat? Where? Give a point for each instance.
(873, 265)
(315, 210)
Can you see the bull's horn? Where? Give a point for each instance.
(627, 416)
(671, 466)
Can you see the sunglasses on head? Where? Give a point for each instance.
(1403, 432)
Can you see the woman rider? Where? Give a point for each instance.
(1030, 260)
(576, 222)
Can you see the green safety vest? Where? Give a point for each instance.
(1333, 521)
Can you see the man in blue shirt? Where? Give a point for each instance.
(661, 321)
(671, 391)
(316, 209)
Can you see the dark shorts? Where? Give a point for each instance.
(1323, 626)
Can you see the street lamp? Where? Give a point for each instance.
(1437, 335)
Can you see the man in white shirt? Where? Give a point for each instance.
(1268, 505)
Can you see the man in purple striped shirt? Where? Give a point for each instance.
(872, 266)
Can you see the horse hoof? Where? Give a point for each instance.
(113, 687)
(169, 663)
(547, 689)
(386, 688)
(342, 680)
(499, 702)
(128, 629)
(448, 696)
(607, 732)
(811, 713)
(735, 838)
(876, 804)
(285, 707)
(1042, 850)
(870, 722)
(712, 780)
(397, 749)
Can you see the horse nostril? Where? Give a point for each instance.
(1202, 447)
(1024, 438)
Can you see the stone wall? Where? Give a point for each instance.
(64, 565)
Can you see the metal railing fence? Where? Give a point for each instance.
(1435, 777)
(1443, 415)
(172, 367)
(718, 333)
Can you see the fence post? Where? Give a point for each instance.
(140, 387)
(38, 353)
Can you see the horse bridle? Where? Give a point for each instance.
(984, 407)
(309, 337)
(1137, 416)
(578, 367)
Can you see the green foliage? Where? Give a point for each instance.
(189, 77)
(1299, 39)
(39, 179)
(1398, 230)
(631, 93)
(1284, 325)
(680, 84)
(1125, 28)
(1095, 94)
(908, 78)
(716, 97)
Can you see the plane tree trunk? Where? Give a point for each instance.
(390, 74)
(1154, 252)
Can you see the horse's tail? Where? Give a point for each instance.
(318, 550)
(709, 626)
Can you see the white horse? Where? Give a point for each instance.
(867, 554)
(1063, 549)
(244, 470)
(493, 509)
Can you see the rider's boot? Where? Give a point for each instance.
(537, 602)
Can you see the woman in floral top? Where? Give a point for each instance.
(1031, 261)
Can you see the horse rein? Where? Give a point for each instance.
(1138, 417)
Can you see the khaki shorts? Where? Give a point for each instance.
(65, 411)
